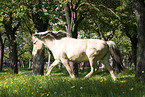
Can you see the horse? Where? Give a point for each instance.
(66, 49)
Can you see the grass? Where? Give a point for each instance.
(60, 84)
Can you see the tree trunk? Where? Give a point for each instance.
(139, 8)
(38, 64)
(30, 64)
(2, 53)
(13, 55)
(134, 51)
(41, 26)
(72, 30)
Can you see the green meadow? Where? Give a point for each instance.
(59, 84)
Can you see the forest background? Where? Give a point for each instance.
(114, 20)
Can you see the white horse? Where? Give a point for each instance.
(65, 49)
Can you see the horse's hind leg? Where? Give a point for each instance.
(105, 61)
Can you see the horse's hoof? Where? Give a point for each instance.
(72, 76)
(47, 74)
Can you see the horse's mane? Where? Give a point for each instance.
(53, 34)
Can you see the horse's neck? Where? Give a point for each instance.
(50, 44)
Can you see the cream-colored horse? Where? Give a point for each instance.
(67, 49)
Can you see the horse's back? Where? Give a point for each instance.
(80, 50)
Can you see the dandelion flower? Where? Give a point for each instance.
(131, 89)
(142, 71)
(47, 94)
(73, 86)
(101, 80)
(123, 81)
(15, 90)
(42, 94)
(63, 80)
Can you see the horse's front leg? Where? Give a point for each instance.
(92, 65)
(67, 66)
(56, 62)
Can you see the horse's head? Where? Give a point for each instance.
(39, 39)
(37, 45)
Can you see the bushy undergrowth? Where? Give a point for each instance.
(61, 85)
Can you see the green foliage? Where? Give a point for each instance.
(123, 42)
(101, 19)
(127, 23)
(13, 7)
(25, 46)
(60, 85)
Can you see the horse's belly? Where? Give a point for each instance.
(78, 58)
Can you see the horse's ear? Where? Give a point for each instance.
(60, 34)
(50, 34)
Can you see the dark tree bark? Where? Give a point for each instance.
(133, 38)
(134, 50)
(13, 55)
(38, 65)
(139, 8)
(13, 51)
(11, 35)
(41, 23)
(2, 53)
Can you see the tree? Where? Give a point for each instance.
(1, 52)
(38, 12)
(97, 16)
(128, 25)
(74, 16)
(139, 8)
(11, 11)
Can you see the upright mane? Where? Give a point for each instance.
(53, 34)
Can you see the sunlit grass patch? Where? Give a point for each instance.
(61, 85)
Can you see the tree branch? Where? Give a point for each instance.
(110, 10)
(16, 27)
(77, 4)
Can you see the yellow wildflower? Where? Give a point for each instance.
(42, 94)
(73, 86)
(131, 89)
(142, 71)
(101, 80)
(123, 81)
(63, 80)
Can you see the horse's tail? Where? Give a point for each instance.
(113, 48)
